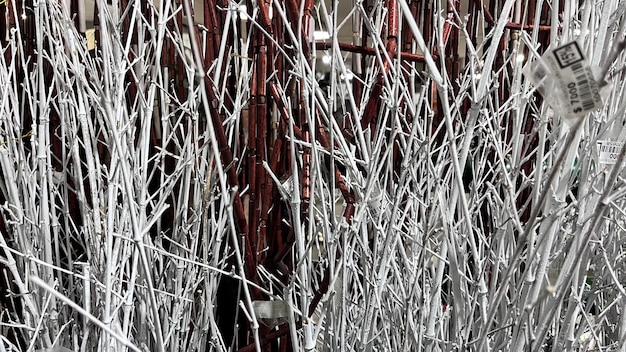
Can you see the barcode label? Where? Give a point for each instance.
(608, 151)
(565, 79)
(583, 96)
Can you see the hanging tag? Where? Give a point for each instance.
(608, 151)
(563, 76)
(271, 313)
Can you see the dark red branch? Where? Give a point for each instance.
(370, 51)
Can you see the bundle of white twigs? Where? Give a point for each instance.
(433, 227)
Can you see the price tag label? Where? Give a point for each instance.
(608, 151)
(565, 79)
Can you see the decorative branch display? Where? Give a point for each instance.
(235, 176)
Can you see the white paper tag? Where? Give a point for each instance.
(271, 313)
(608, 151)
(563, 76)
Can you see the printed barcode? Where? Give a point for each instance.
(584, 92)
(609, 148)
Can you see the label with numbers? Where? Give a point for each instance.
(568, 54)
(608, 151)
(565, 79)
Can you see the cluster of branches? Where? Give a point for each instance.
(192, 184)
